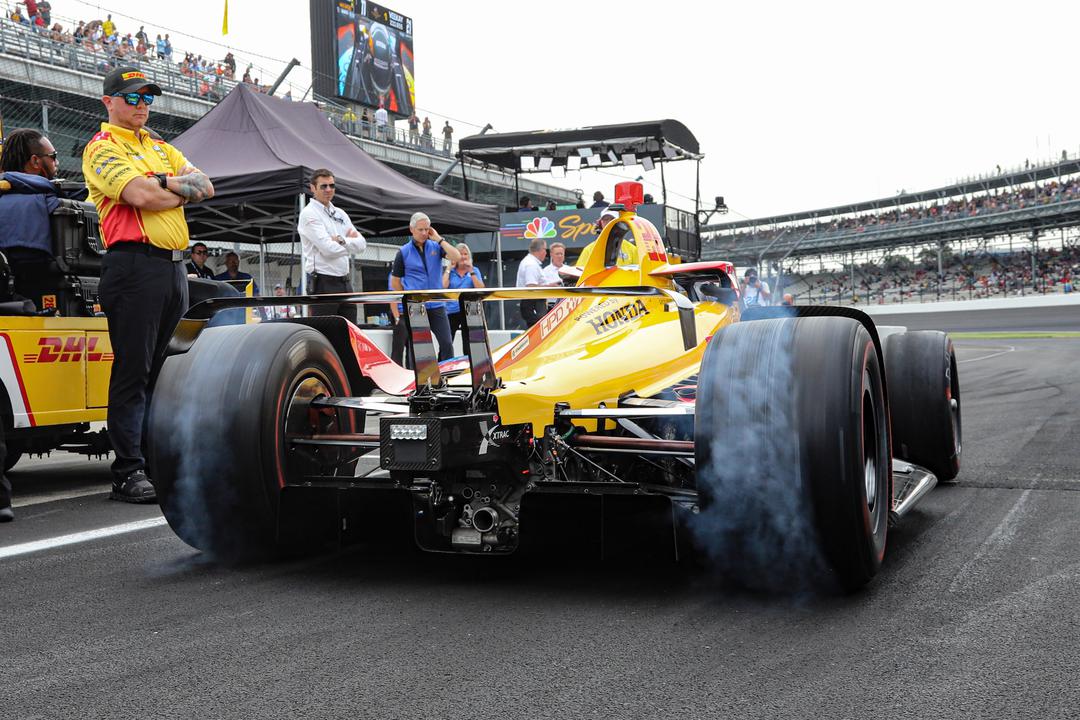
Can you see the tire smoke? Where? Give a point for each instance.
(756, 523)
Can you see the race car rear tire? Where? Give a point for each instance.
(924, 400)
(218, 454)
(792, 454)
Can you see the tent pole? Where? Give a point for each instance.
(499, 274)
(262, 260)
(517, 190)
(663, 185)
(303, 275)
(464, 182)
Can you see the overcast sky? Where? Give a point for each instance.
(796, 105)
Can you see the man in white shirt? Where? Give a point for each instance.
(327, 236)
(558, 259)
(381, 120)
(531, 274)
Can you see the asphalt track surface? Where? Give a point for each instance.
(974, 616)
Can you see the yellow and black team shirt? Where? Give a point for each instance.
(112, 159)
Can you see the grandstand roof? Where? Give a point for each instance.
(259, 151)
(1021, 177)
(660, 140)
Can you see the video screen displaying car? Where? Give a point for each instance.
(374, 51)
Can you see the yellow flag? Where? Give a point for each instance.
(225, 20)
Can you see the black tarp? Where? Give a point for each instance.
(641, 138)
(260, 150)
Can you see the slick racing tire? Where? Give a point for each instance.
(924, 400)
(792, 454)
(219, 456)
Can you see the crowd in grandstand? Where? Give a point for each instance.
(107, 39)
(957, 208)
(970, 274)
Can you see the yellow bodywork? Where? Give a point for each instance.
(588, 351)
(55, 369)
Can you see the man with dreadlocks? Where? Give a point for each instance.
(28, 151)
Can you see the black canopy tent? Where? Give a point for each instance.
(260, 150)
(646, 143)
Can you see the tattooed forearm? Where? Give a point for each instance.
(193, 187)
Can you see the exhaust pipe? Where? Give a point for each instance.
(485, 519)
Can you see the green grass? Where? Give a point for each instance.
(1014, 335)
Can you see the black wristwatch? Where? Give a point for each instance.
(162, 180)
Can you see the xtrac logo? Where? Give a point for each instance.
(69, 349)
(618, 317)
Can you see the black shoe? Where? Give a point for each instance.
(135, 488)
(6, 515)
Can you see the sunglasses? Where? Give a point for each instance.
(133, 99)
(48, 155)
(327, 186)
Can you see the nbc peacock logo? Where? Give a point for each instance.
(540, 227)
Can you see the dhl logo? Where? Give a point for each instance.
(133, 75)
(70, 349)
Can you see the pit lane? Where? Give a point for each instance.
(972, 616)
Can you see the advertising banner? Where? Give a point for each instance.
(573, 228)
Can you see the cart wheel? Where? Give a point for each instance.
(219, 417)
(793, 458)
(924, 400)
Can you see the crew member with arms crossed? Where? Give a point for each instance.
(139, 186)
(327, 236)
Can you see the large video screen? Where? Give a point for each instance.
(375, 56)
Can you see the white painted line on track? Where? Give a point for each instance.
(81, 537)
(1003, 534)
(987, 357)
(52, 497)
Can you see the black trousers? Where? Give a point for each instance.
(532, 311)
(5, 484)
(326, 284)
(457, 322)
(440, 328)
(399, 347)
(143, 298)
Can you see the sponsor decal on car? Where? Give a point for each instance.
(558, 313)
(67, 349)
(618, 317)
(521, 347)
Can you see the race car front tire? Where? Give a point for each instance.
(218, 456)
(924, 400)
(792, 454)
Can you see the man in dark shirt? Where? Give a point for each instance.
(418, 266)
(196, 266)
(232, 272)
(598, 200)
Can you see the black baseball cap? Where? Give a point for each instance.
(750, 271)
(128, 79)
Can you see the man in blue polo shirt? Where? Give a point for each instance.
(418, 266)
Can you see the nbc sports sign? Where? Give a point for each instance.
(573, 228)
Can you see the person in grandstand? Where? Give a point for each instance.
(755, 291)
(139, 186)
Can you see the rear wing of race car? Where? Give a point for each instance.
(477, 347)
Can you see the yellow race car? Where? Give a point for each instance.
(645, 407)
